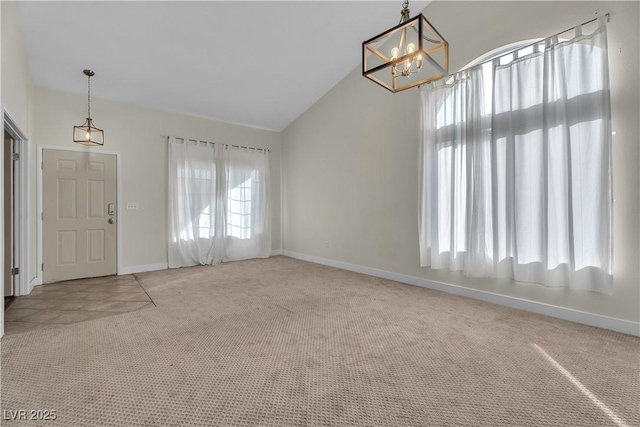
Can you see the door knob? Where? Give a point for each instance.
(111, 221)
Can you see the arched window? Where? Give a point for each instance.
(516, 167)
(524, 47)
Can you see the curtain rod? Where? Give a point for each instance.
(606, 15)
(220, 143)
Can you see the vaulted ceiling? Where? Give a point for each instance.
(259, 64)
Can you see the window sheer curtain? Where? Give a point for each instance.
(218, 203)
(516, 168)
(247, 221)
(456, 227)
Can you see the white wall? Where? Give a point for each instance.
(140, 136)
(16, 95)
(17, 86)
(350, 163)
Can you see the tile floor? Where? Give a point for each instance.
(56, 304)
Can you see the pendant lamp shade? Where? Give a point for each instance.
(88, 134)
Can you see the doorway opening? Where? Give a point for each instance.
(11, 221)
(15, 211)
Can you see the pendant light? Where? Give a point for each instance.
(410, 54)
(88, 134)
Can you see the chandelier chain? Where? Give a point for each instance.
(89, 97)
(404, 13)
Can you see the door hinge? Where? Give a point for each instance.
(42, 216)
(15, 156)
(15, 271)
(41, 267)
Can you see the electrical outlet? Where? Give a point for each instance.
(132, 206)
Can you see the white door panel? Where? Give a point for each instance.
(79, 240)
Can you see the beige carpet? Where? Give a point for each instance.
(284, 342)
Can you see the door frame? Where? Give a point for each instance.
(40, 210)
(23, 187)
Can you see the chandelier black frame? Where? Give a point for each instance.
(432, 50)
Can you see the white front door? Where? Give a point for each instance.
(79, 221)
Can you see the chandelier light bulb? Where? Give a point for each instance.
(394, 53)
(409, 62)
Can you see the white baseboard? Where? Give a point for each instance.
(142, 268)
(36, 281)
(163, 266)
(618, 325)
